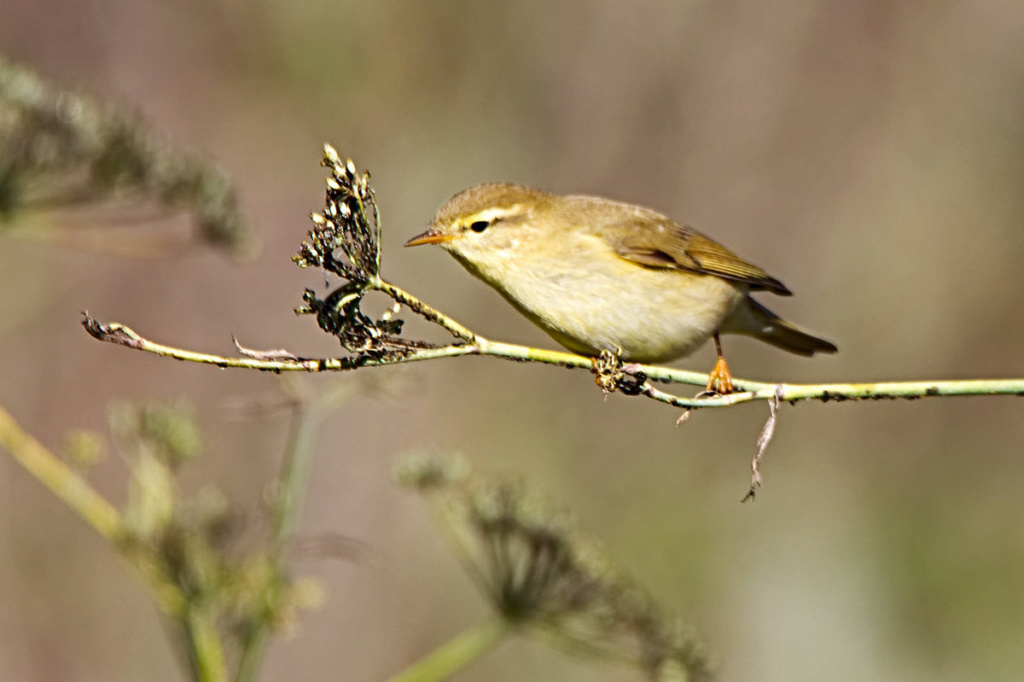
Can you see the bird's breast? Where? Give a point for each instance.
(601, 302)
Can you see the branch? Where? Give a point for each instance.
(747, 390)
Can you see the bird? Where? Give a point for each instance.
(605, 276)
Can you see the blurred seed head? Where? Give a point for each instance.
(84, 449)
(61, 150)
(193, 540)
(541, 576)
(169, 431)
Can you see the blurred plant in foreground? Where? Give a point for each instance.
(222, 596)
(60, 150)
(193, 543)
(542, 579)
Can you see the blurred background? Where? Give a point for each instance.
(868, 153)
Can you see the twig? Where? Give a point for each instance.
(762, 444)
(424, 310)
(477, 345)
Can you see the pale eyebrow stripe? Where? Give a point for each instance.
(491, 214)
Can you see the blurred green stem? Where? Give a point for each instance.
(291, 488)
(68, 486)
(295, 471)
(206, 655)
(448, 659)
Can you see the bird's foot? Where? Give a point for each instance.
(720, 379)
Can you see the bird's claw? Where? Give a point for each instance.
(720, 379)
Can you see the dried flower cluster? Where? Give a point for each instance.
(542, 577)
(345, 241)
(60, 150)
(345, 225)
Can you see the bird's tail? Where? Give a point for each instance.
(753, 319)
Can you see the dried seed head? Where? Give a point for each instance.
(60, 149)
(345, 241)
(539, 575)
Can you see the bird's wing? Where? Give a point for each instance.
(661, 243)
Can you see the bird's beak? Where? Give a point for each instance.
(431, 236)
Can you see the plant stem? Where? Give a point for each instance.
(68, 486)
(424, 310)
(456, 654)
(747, 390)
(206, 654)
(295, 471)
(291, 488)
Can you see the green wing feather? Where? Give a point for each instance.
(669, 245)
(654, 240)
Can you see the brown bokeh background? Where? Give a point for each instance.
(869, 153)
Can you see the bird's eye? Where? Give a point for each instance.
(479, 225)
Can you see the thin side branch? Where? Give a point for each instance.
(762, 444)
(425, 311)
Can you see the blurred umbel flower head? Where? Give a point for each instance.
(543, 578)
(63, 151)
(193, 541)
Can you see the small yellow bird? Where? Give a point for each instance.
(601, 275)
